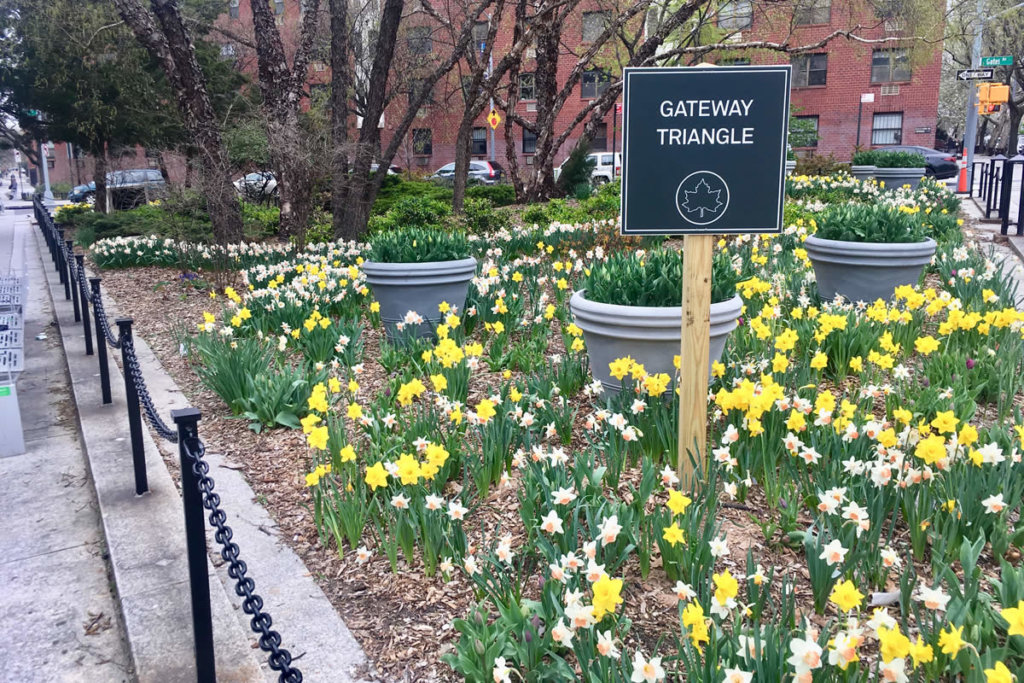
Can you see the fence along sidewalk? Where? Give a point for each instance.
(196, 484)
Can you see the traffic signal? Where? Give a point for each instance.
(991, 96)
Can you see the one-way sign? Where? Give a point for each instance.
(974, 74)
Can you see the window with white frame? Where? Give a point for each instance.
(887, 128)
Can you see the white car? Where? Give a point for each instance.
(257, 185)
(607, 167)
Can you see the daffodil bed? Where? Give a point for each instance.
(859, 517)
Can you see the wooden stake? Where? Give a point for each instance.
(693, 354)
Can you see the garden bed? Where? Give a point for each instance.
(874, 362)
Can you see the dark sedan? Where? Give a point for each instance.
(940, 165)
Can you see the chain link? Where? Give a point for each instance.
(134, 369)
(269, 640)
(101, 315)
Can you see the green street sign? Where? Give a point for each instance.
(5, 391)
(1005, 60)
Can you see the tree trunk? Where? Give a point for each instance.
(169, 42)
(341, 82)
(462, 141)
(362, 188)
(542, 181)
(99, 176)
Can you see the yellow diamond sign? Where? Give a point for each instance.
(494, 119)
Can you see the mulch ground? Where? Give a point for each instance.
(403, 621)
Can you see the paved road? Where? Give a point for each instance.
(59, 618)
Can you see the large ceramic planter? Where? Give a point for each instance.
(866, 271)
(790, 166)
(895, 178)
(863, 172)
(419, 287)
(649, 335)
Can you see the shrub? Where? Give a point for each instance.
(603, 204)
(864, 157)
(886, 159)
(394, 189)
(871, 223)
(60, 188)
(582, 191)
(654, 278)
(415, 212)
(481, 218)
(497, 195)
(577, 168)
(818, 164)
(418, 245)
(260, 220)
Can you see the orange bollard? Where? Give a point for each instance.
(962, 184)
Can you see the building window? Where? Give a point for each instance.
(233, 8)
(480, 30)
(809, 70)
(887, 129)
(594, 83)
(594, 24)
(736, 15)
(278, 7)
(888, 66)
(600, 141)
(527, 87)
(529, 142)
(418, 87)
(807, 12)
(734, 61)
(419, 40)
(422, 141)
(479, 142)
(804, 132)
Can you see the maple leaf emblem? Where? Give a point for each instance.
(703, 199)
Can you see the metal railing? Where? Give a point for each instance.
(196, 484)
(993, 184)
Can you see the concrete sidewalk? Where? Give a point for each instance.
(61, 619)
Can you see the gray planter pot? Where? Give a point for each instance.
(419, 287)
(790, 166)
(866, 271)
(863, 172)
(649, 335)
(896, 178)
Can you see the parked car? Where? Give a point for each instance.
(257, 185)
(486, 172)
(392, 169)
(82, 193)
(128, 188)
(938, 165)
(607, 167)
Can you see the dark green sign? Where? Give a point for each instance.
(704, 149)
(1005, 60)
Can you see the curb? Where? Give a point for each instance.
(320, 642)
(145, 534)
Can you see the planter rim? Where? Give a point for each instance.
(579, 296)
(899, 170)
(895, 250)
(454, 264)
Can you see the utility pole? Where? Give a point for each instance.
(44, 167)
(971, 131)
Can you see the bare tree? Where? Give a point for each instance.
(163, 33)
(282, 87)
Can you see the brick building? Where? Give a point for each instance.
(900, 84)
(828, 83)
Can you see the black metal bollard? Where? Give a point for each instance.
(101, 342)
(72, 282)
(62, 268)
(65, 266)
(124, 326)
(195, 541)
(83, 296)
(1005, 193)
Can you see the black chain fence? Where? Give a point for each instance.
(197, 484)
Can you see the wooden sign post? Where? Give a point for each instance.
(693, 354)
(708, 146)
